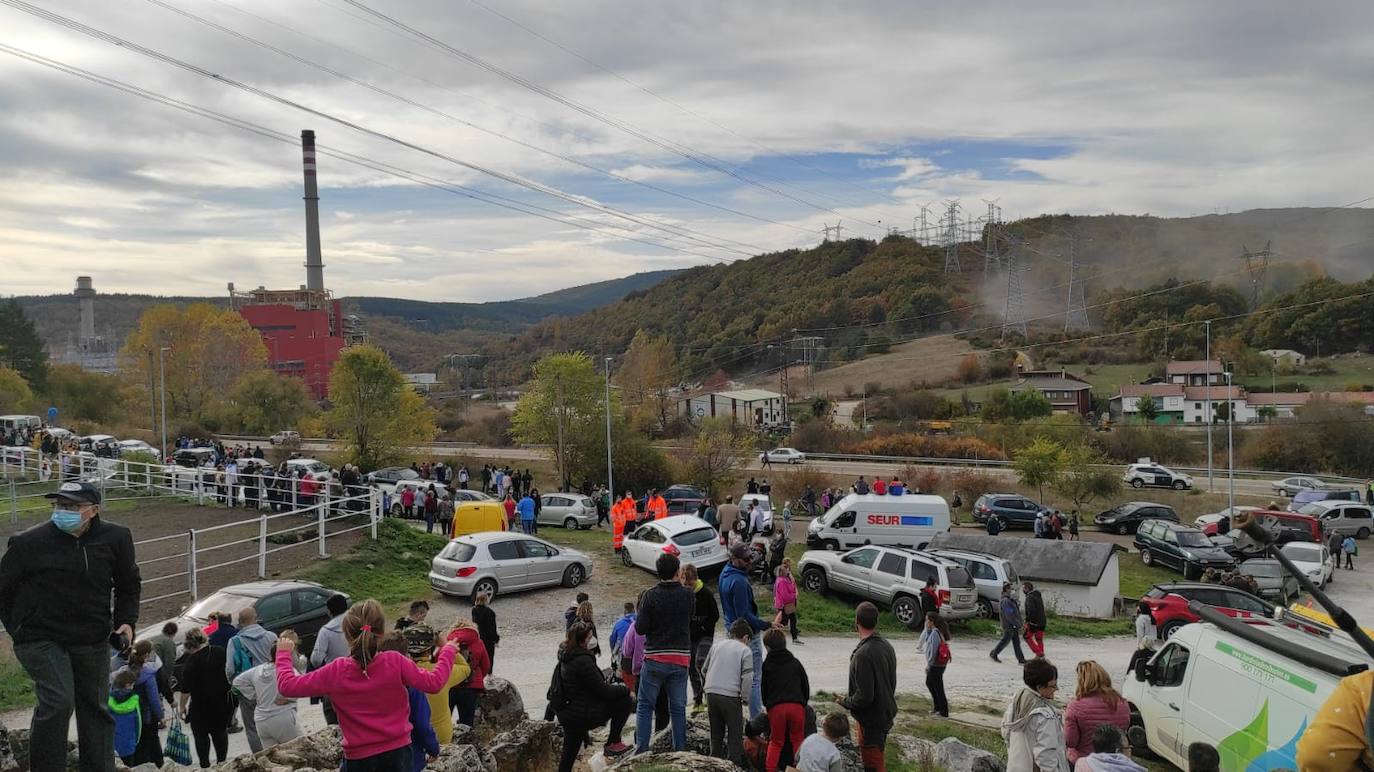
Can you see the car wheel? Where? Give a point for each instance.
(1191, 571)
(1146, 557)
(985, 609)
(626, 559)
(1137, 483)
(1167, 631)
(396, 511)
(1363, 534)
(1001, 523)
(813, 580)
(1123, 529)
(573, 575)
(832, 546)
(484, 587)
(1179, 485)
(570, 524)
(907, 611)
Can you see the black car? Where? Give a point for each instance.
(1180, 546)
(681, 500)
(1011, 510)
(281, 605)
(1125, 518)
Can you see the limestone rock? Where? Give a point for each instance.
(317, 750)
(949, 754)
(698, 737)
(681, 760)
(8, 762)
(532, 746)
(849, 752)
(149, 767)
(499, 709)
(462, 758)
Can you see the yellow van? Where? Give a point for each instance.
(478, 516)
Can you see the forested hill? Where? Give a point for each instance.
(724, 316)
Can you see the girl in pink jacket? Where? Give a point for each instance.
(785, 597)
(367, 690)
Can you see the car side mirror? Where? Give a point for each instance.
(846, 559)
(1144, 672)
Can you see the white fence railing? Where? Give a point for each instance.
(172, 564)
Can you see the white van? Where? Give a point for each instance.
(12, 422)
(895, 521)
(1252, 688)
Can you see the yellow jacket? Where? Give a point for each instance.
(1335, 742)
(440, 714)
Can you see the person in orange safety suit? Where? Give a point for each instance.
(655, 508)
(622, 513)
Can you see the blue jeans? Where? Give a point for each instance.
(656, 676)
(527, 526)
(756, 694)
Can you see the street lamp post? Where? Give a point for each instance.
(1230, 447)
(610, 476)
(162, 376)
(1207, 377)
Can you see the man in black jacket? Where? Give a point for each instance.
(56, 584)
(1035, 619)
(872, 697)
(665, 619)
(705, 615)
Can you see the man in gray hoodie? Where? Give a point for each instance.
(329, 646)
(253, 646)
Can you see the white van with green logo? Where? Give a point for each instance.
(1249, 690)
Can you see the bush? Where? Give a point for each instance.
(972, 483)
(924, 446)
(926, 481)
(790, 484)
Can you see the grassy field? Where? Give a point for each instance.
(394, 569)
(1106, 379)
(1358, 369)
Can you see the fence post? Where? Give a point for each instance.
(373, 505)
(262, 547)
(322, 511)
(14, 504)
(200, 487)
(191, 563)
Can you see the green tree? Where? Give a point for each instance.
(1039, 464)
(717, 454)
(564, 409)
(1084, 477)
(1268, 413)
(15, 395)
(1029, 403)
(375, 411)
(1221, 411)
(84, 396)
(1148, 409)
(20, 347)
(263, 402)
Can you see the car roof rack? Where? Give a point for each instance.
(1327, 663)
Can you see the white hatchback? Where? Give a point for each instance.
(691, 538)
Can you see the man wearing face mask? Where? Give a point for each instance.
(56, 584)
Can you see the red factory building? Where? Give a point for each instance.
(304, 329)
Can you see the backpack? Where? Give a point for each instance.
(242, 661)
(942, 654)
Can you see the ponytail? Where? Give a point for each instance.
(363, 626)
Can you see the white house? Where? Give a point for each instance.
(1195, 372)
(754, 407)
(1168, 399)
(422, 382)
(1286, 355)
(1075, 578)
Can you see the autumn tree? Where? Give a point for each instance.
(645, 377)
(15, 394)
(1085, 476)
(717, 454)
(1147, 408)
(970, 368)
(20, 347)
(85, 396)
(564, 409)
(263, 402)
(209, 350)
(1039, 464)
(377, 414)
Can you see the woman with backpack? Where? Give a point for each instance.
(464, 696)
(583, 700)
(935, 643)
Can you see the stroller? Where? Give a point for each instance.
(767, 557)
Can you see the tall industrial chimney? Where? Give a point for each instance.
(314, 262)
(86, 293)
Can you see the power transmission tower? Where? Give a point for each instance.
(1256, 263)
(991, 260)
(925, 226)
(826, 229)
(952, 237)
(1014, 311)
(1076, 313)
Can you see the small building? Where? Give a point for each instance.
(1168, 399)
(1075, 578)
(1066, 392)
(1286, 356)
(422, 382)
(1195, 372)
(1195, 404)
(751, 407)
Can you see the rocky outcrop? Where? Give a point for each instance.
(683, 760)
(499, 709)
(698, 737)
(16, 751)
(462, 758)
(532, 746)
(949, 754)
(318, 750)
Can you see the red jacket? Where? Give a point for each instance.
(879, 487)
(1082, 717)
(478, 659)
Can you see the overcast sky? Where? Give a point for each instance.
(788, 114)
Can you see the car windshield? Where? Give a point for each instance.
(226, 602)
(695, 536)
(1303, 553)
(1265, 570)
(458, 552)
(1192, 539)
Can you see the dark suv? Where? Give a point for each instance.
(1010, 509)
(1125, 518)
(681, 500)
(1180, 546)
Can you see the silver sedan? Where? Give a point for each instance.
(570, 510)
(501, 561)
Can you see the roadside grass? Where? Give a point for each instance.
(16, 689)
(394, 569)
(1136, 577)
(1346, 370)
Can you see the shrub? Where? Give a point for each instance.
(924, 446)
(790, 484)
(927, 481)
(972, 483)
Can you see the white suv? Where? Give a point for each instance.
(892, 576)
(1156, 476)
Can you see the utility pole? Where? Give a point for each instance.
(1014, 310)
(991, 261)
(925, 226)
(162, 369)
(1230, 447)
(1256, 263)
(610, 475)
(558, 414)
(1076, 312)
(1207, 412)
(952, 237)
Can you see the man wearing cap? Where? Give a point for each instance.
(56, 584)
(737, 602)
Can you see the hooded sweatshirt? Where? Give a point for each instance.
(145, 686)
(124, 706)
(259, 686)
(1034, 732)
(330, 643)
(1107, 762)
(254, 641)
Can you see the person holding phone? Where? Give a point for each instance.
(69, 592)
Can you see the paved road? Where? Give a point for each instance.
(1251, 489)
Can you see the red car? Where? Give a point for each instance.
(1292, 526)
(1169, 603)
